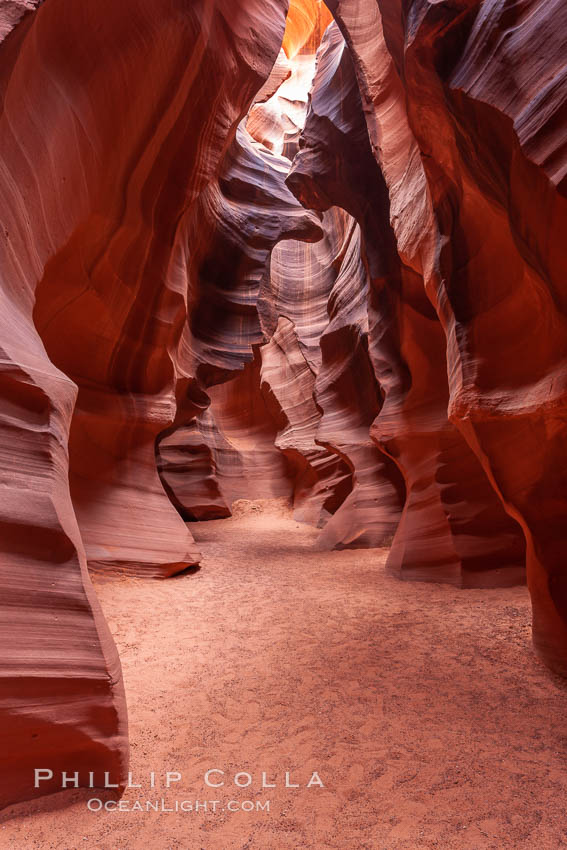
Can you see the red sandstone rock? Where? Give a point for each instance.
(142, 296)
(238, 220)
(277, 121)
(258, 436)
(322, 290)
(109, 135)
(453, 527)
(322, 479)
(306, 23)
(346, 388)
(470, 138)
(218, 453)
(227, 452)
(280, 72)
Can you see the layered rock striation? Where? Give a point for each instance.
(109, 136)
(465, 105)
(453, 526)
(325, 265)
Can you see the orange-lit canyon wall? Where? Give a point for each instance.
(453, 526)
(465, 106)
(112, 140)
(327, 267)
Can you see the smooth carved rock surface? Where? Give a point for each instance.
(389, 354)
(387, 341)
(330, 280)
(245, 293)
(321, 290)
(222, 453)
(277, 121)
(322, 479)
(314, 401)
(466, 110)
(346, 388)
(102, 164)
(225, 453)
(235, 224)
(305, 25)
(453, 526)
(243, 216)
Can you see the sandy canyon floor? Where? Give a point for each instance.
(421, 707)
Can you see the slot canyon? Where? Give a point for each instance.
(283, 426)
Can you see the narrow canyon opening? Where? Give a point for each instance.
(292, 419)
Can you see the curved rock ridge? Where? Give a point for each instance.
(453, 526)
(202, 460)
(277, 121)
(238, 220)
(102, 162)
(232, 229)
(322, 479)
(466, 109)
(347, 393)
(280, 72)
(316, 301)
(256, 433)
(257, 265)
(346, 389)
(227, 452)
(375, 332)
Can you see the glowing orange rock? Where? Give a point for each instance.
(306, 23)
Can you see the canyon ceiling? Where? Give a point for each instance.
(328, 266)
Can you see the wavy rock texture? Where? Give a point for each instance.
(280, 72)
(208, 460)
(305, 25)
(256, 432)
(466, 109)
(159, 280)
(277, 121)
(217, 452)
(321, 478)
(102, 165)
(227, 452)
(235, 445)
(322, 291)
(346, 389)
(453, 527)
(131, 278)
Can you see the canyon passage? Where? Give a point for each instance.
(282, 420)
(413, 701)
